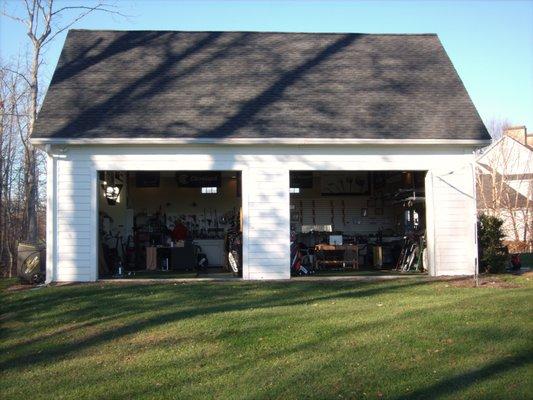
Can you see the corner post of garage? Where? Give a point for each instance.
(245, 222)
(430, 222)
(51, 215)
(94, 222)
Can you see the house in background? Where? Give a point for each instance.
(356, 136)
(505, 186)
(520, 134)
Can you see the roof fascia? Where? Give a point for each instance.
(254, 141)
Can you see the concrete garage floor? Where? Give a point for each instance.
(362, 276)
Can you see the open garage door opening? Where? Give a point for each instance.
(357, 222)
(161, 224)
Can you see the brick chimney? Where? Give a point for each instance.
(519, 133)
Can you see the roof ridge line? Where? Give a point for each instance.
(252, 31)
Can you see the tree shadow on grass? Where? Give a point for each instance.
(123, 307)
(98, 299)
(170, 306)
(459, 382)
(102, 305)
(265, 361)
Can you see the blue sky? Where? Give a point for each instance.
(489, 42)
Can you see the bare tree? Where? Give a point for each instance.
(496, 127)
(19, 105)
(41, 28)
(13, 101)
(504, 189)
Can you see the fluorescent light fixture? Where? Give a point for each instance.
(209, 190)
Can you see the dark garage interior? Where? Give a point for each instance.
(357, 221)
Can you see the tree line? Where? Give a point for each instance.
(22, 166)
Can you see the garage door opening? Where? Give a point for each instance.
(169, 224)
(357, 222)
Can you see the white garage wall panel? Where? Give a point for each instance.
(268, 225)
(76, 221)
(451, 223)
(72, 222)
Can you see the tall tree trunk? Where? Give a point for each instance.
(2, 178)
(32, 196)
(40, 18)
(32, 185)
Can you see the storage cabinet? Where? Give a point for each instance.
(214, 250)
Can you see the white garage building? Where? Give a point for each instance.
(263, 106)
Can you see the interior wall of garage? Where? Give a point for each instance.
(175, 200)
(73, 205)
(344, 212)
(168, 197)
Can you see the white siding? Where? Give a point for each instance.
(76, 218)
(451, 221)
(72, 224)
(51, 219)
(268, 226)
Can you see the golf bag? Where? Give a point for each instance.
(299, 252)
(234, 248)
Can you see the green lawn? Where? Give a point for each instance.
(214, 273)
(401, 339)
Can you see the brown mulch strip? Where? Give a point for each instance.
(488, 282)
(17, 287)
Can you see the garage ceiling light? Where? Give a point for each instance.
(112, 193)
(111, 189)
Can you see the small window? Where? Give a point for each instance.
(210, 190)
(294, 190)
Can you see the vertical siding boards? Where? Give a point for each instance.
(72, 224)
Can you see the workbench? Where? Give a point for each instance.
(334, 255)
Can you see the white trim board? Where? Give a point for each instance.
(254, 141)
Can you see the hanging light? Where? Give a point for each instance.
(111, 190)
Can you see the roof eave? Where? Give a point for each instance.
(255, 141)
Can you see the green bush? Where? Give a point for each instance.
(492, 253)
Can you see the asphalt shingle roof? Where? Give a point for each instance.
(161, 84)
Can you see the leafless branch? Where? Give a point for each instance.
(21, 165)
(99, 7)
(505, 189)
(87, 10)
(14, 18)
(18, 74)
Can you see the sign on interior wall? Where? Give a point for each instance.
(337, 184)
(198, 179)
(146, 179)
(302, 180)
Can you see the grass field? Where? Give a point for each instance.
(401, 339)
